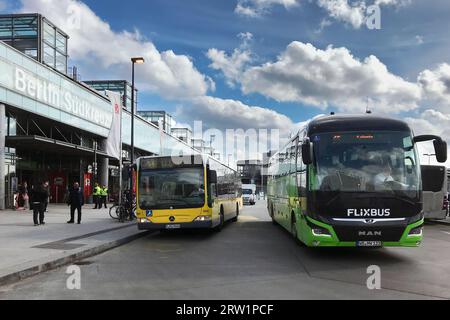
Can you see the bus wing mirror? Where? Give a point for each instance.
(213, 177)
(440, 146)
(307, 152)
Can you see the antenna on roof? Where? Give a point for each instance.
(368, 111)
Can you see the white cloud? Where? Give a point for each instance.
(353, 12)
(232, 65)
(331, 77)
(341, 10)
(257, 8)
(227, 113)
(436, 85)
(92, 39)
(419, 40)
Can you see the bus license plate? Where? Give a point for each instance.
(369, 244)
(173, 226)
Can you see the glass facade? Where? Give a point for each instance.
(156, 117)
(55, 47)
(37, 37)
(184, 134)
(120, 86)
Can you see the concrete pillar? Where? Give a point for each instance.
(103, 171)
(3, 129)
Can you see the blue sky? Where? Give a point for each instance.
(266, 63)
(192, 27)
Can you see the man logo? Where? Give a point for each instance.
(370, 233)
(369, 221)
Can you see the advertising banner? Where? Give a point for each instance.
(114, 141)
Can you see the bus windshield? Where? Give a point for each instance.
(366, 162)
(247, 191)
(171, 188)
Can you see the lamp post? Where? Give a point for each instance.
(138, 60)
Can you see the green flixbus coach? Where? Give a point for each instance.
(351, 181)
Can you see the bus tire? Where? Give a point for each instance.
(294, 231)
(294, 226)
(222, 220)
(235, 219)
(272, 214)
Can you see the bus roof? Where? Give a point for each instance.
(337, 123)
(205, 158)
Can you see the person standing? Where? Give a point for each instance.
(26, 196)
(96, 196)
(76, 202)
(104, 197)
(47, 188)
(38, 197)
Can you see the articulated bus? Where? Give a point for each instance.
(197, 193)
(351, 181)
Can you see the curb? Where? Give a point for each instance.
(51, 265)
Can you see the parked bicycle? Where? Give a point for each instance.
(126, 210)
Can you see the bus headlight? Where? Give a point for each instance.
(203, 218)
(416, 231)
(143, 220)
(317, 231)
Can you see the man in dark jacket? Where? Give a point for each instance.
(75, 201)
(39, 196)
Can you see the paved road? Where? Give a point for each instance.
(251, 259)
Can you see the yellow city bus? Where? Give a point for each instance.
(197, 192)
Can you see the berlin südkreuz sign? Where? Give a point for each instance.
(46, 92)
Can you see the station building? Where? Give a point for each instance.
(53, 127)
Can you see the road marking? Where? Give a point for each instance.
(446, 232)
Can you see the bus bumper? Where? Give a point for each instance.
(332, 240)
(175, 226)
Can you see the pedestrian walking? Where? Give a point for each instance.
(76, 202)
(38, 197)
(96, 195)
(104, 197)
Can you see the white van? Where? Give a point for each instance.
(435, 192)
(249, 194)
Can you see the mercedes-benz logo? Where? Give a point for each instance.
(172, 219)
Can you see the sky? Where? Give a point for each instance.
(271, 64)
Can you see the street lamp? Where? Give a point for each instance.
(136, 60)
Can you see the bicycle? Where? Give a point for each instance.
(126, 210)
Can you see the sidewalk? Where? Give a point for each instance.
(26, 250)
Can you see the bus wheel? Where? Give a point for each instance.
(222, 220)
(272, 214)
(235, 219)
(294, 226)
(294, 230)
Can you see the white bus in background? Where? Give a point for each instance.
(249, 194)
(435, 192)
